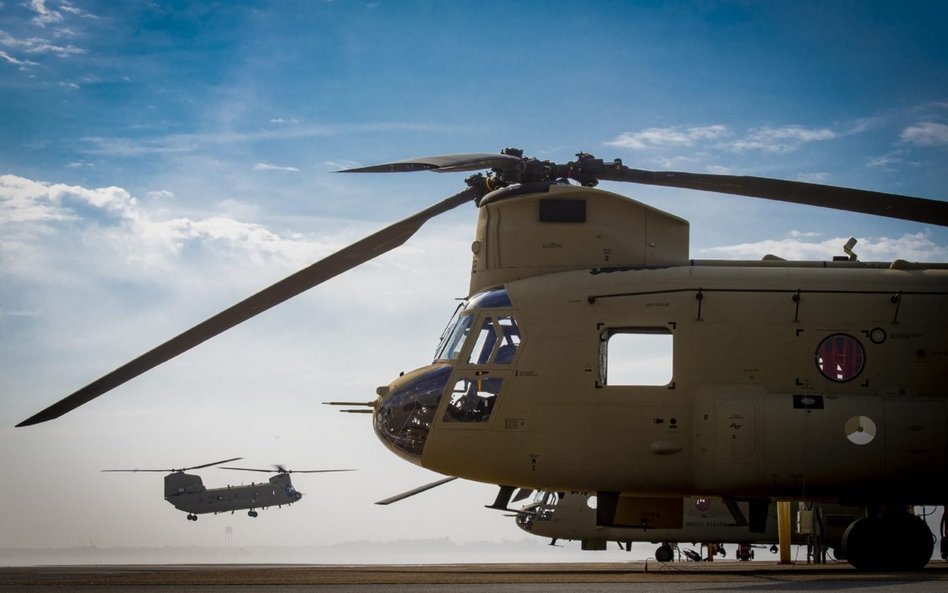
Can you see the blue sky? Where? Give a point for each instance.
(162, 160)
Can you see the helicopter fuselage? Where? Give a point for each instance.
(186, 492)
(636, 370)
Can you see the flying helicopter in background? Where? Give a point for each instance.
(774, 379)
(186, 492)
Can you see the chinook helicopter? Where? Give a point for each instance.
(779, 380)
(186, 492)
(572, 516)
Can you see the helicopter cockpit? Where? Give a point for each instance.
(472, 362)
(541, 509)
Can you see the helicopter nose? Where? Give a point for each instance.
(406, 410)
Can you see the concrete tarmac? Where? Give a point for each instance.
(631, 577)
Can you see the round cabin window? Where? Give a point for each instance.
(840, 357)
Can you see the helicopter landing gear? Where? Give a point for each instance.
(192, 517)
(664, 553)
(891, 541)
(252, 513)
(745, 553)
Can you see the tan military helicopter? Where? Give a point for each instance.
(186, 492)
(572, 516)
(776, 380)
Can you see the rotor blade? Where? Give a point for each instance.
(210, 464)
(317, 471)
(287, 471)
(415, 491)
(345, 259)
(446, 163)
(797, 192)
(370, 404)
(183, 469)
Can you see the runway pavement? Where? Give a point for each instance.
(467, 578)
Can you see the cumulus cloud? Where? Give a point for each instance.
(23, 200)
(926, 134)
(123, 231)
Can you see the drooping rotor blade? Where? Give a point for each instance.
(446, 163)
(210, 464)
(317, 471)
(183, 469)
(415, 491)
(797, 192)
(345, 259)
(283, 470)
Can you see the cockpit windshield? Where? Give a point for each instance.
(453, 337)
(473, 363)
(458, 329)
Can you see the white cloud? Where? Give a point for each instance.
(768, 139)
(44, 15)
(801, 246)
(23, 200)
(5, 56)
(115, 222)
(50, 232)
(926, 134)
(161, 194)
(663, 137)
(271, 167)
(885, 161)
(802, 234)
(780, 140)
(69, 7)
(38, 45)
(339, 165)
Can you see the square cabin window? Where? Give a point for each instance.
(636, 356)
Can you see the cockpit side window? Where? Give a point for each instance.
(496, 342)
(509, 334)
(484, 344)
(472, 399)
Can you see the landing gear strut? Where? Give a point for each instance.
(891, 541)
